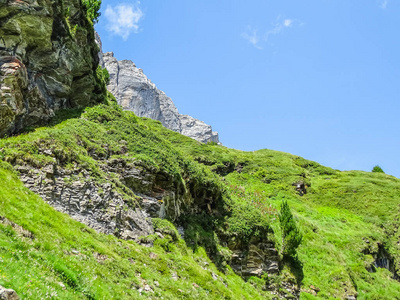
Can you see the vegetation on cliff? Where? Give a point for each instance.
(92, 9)
(54, 257)
(48, 61)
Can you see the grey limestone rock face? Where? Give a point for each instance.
(135, 92)
(197, 129)
(97, 205)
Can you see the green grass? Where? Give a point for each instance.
(343, 217)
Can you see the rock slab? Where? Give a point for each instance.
(97, 205)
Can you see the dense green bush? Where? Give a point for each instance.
(377, 169)
(103, 75)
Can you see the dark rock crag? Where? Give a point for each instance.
(48, 61)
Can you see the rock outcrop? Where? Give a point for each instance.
(97, 205)
(123, 203)
(100, 205)
(259, 258)
(48, 61)
(135, 92)
(197, 129)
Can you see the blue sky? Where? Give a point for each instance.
(319, 79)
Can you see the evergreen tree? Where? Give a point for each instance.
(291, 236)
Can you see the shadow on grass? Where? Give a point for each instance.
(60, 116)
(65, 114)
(296, 268)
(200, 232)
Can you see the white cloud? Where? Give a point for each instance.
(278, 26)
(383, 4)
(123, 19)
(287, 22)
(252, 36)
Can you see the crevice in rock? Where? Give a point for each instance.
(382, 259)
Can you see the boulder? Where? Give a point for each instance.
(8, 294)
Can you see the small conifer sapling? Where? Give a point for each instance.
(291, 236)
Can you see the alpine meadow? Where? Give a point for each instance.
(108, 192)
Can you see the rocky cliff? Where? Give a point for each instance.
(48, 61)
(135, 92)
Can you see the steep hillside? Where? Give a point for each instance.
(221, 200)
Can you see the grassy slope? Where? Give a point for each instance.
(340, 211)
(65, 251)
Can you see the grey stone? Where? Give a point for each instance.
(8, 294)
(181, 231)
(147, 288)
(18, 229)
(259, 257)
(174, 276)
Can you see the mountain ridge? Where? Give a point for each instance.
(135, 92)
